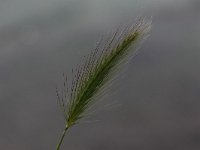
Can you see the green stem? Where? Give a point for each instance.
(62, 137)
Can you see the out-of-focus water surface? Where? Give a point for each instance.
(155, 105)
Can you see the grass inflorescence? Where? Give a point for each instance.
(91, 77)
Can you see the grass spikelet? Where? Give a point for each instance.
(100, 65)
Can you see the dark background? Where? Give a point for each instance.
(153, 105)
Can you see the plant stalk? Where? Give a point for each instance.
(62, 137)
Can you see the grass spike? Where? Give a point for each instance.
(90, 78)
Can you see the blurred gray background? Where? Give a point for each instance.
(155, 103)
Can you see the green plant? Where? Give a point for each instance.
(91, 77)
